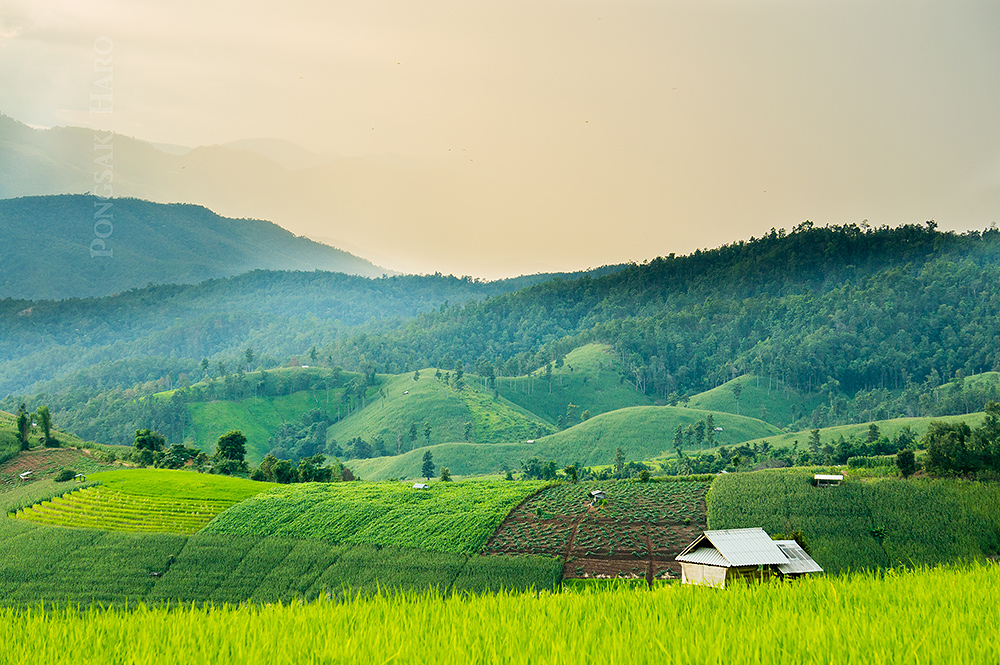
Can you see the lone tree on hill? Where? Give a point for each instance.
(427, 469)
(445, 474)
(232, 446)
(427, 433)
(737, 392)
(23, 426)
(148, 440)
(45, 421)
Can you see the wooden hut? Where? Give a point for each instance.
(716, 557)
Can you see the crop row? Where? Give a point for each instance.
(876, 523)
(627, 501)
(39, 564)
(102, 508)
(457, 517)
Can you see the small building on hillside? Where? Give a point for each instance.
(716, 557)
(828, 479)
(421, 486)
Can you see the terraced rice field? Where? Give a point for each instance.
(149, 500)
(112, 510)
(635, 533)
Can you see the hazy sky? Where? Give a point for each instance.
(590, 132)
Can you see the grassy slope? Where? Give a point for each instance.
(178, 484)
(643, 432)
(887, 427)
(866, 522)
(8, 435)
(447, 517)
(757, 400)
(588, 378)
(447, 410)
(258, 419)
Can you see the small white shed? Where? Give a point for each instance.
(828, 479)
(716, 557)
(421, 486)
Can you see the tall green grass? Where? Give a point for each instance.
(865, 522)
(940, 616)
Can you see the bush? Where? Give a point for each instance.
(906, 462)
(52, 442)
(64, 475)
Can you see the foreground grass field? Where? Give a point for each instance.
(857, 619)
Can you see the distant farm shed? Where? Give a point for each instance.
(828, 480)
(421, 486)
(716, 557)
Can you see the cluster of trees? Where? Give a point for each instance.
(304, 439)
(25, 422)
(957, 449)
(537, 469)
(813, 452)
(150, 449)
(311, 469)
(427, 467)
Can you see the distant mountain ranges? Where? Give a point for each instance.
(366, 204)
(74, 246)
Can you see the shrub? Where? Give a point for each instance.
(64, 475)
(906, 462)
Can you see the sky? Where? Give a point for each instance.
(569, 133)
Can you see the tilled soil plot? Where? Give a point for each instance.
(43, 462)
(633, 533)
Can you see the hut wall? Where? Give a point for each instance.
(696, 573)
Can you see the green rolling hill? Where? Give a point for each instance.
(429, 400)
(589, 378)
(889, 428)
(759, 398)
(642, 432)
(389, 410)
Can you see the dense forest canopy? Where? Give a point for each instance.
(875, 320)
(867, 308)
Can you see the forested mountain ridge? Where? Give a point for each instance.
(72, 246)
(150, 333)
(865, 323)
(838, 309)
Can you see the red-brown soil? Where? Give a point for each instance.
(602, 541)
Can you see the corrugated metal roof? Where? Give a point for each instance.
(741, 547)
(798, 560)
(708, 556)
(826, 476)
